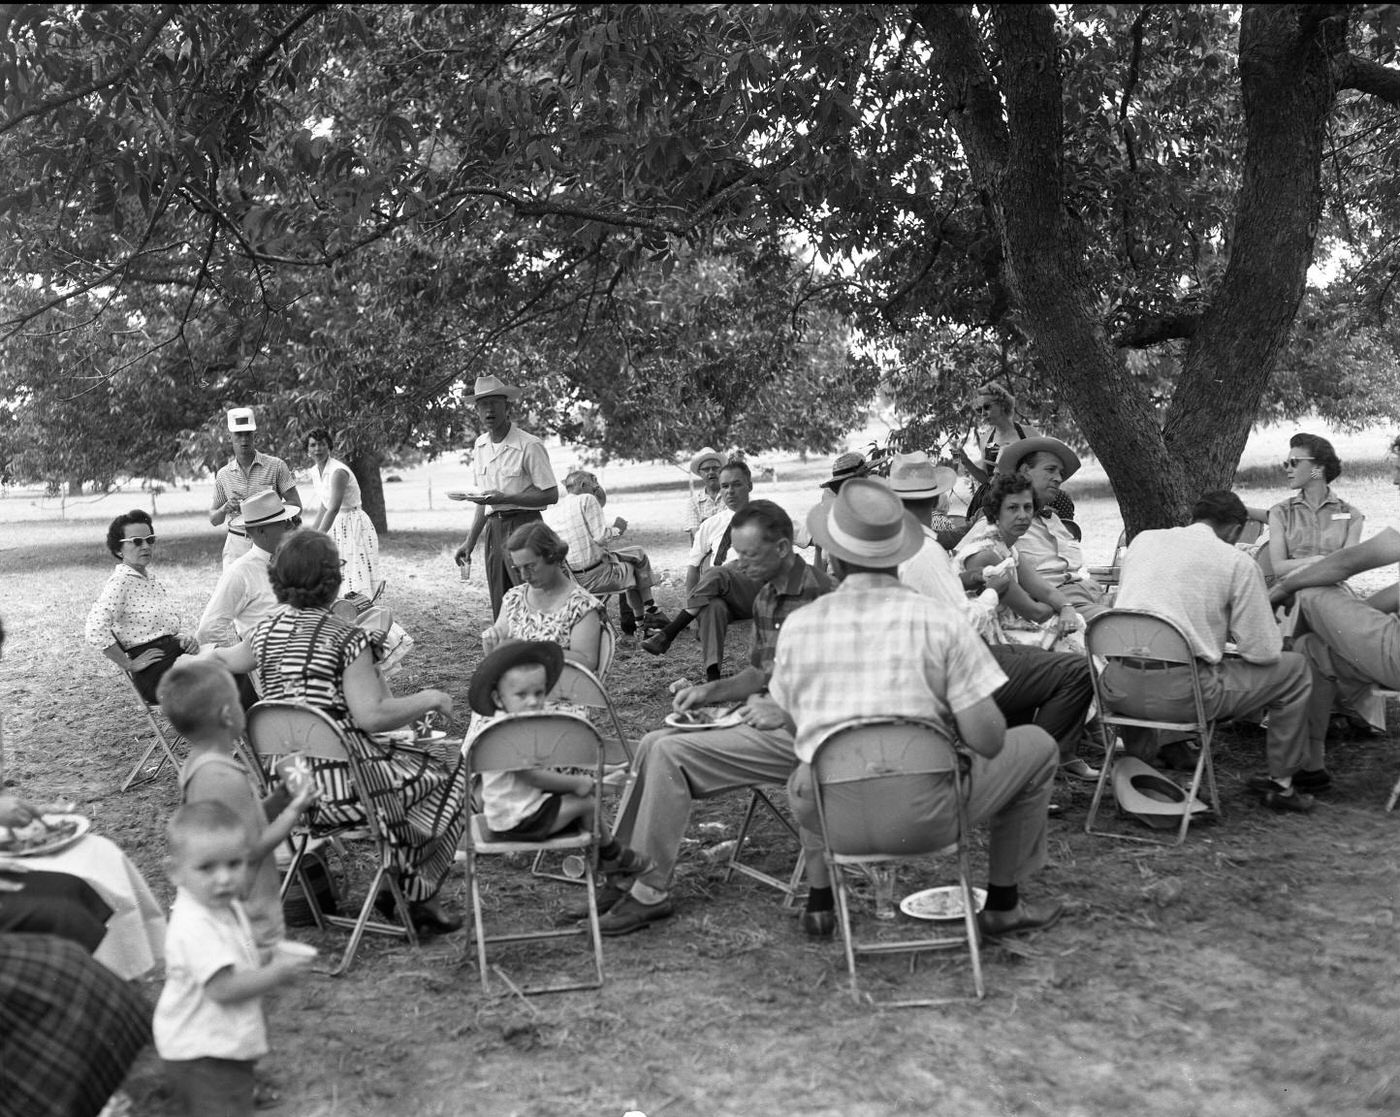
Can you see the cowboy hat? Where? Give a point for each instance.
(241, 419)
(517, 653)
(264, 508)
(866, 524)
(1011, 457)
(703, 455)
(494, 386)
(914, 477)
(847, 466)
(1149, 796)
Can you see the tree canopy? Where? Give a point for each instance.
(669, 219)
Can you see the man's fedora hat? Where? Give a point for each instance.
(849, 465)
(866, 524)
(702, 456)
(517, 653)
(494, 386)
(1011, 457)
(1151, 797)
(263, 508)
(241, 419)
(914, 477)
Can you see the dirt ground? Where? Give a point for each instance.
(1251, 972)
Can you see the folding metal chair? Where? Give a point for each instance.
(792, 887)
(881, 766)
(160, 742)
(1147, 637)
(528, 741)
(276, 728)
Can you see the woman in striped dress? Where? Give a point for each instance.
(305, 653)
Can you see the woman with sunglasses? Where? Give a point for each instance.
(1314, 521)
(995, 408)
(133, 623)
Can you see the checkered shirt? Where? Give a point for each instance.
(774, 604)
(699, 507)
(876, 648)
(578, 520)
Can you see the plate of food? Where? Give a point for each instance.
(47, 834)
(431, 737)
(463, 494)
(706, 717)
(940, 903)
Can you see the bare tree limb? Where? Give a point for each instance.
(1145, 332)
(133, 59)
(1371, 77)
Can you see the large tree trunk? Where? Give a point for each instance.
(1013, 137)
(364, 464)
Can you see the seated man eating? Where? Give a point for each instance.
(673, 769)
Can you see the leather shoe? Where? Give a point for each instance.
(1314, 779)
(630, 914)
(1023, 917)
(428, 918)
(657, 645)
(1291, 800)
(608, 894)
(818, 924)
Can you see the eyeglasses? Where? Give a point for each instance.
(525, 569)
(149, 540)
(1294, 463)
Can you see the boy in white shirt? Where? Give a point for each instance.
(208, 1023)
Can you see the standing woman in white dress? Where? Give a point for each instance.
(341, 517)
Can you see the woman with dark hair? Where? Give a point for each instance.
(133, 623)
(341, 517)
(1314, 521)
(995, 408)
(547, 604)
(305, 653)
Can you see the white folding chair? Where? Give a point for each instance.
(527, 741)
(159, 741)
(791, 888)
(866, 774)
(276, 728)
(1151, 641)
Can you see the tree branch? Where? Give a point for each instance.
(133, 59)
(1141, 333)
(1371, 77)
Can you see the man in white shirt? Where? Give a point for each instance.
(717, 589)
(243, 596)
(1049, 547)
(1048, 689)
(511, 476)
(247, 473)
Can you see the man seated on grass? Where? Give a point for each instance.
(1049, 548)
(1214, 592)
(675, 768)
(1350, 643)
(876, 648)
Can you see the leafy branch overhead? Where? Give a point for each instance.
(708, 223)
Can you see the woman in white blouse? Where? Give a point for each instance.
(133, 623)
(341, 517)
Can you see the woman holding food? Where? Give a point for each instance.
(341, 516)
(133, 622)
(547, 604)
(306, 653)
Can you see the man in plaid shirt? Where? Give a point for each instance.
(676, 768)
(877, 648)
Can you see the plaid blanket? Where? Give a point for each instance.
(69, 1028)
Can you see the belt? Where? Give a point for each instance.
(1145, 664)
(240, 534)
(504, 512)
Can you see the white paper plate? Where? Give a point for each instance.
(431, 737)
(940, 904)
(55, 842)
(462, 494)
(719, 718)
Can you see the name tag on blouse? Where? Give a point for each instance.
(1341, 515)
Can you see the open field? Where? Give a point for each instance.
(1250, 973)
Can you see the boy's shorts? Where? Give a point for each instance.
(537, 826)
(212, 1087)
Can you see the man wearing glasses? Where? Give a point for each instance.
(248, 472)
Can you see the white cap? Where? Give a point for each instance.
(241, 419)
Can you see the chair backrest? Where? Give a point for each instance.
(582, 687)
(607, 647)
(1253, 529)
(546, 739)
(1139, 634)
(276, 728)
(880, 784)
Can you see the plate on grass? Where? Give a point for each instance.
(940, 903)
(35, 840)
(705, 717)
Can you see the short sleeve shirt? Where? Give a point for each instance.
(266, 472)
(1313, 532)
(512, 465)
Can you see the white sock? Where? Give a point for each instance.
(646, 894)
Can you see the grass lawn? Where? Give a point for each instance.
(1250, 972)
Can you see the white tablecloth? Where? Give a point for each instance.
(135, 939)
